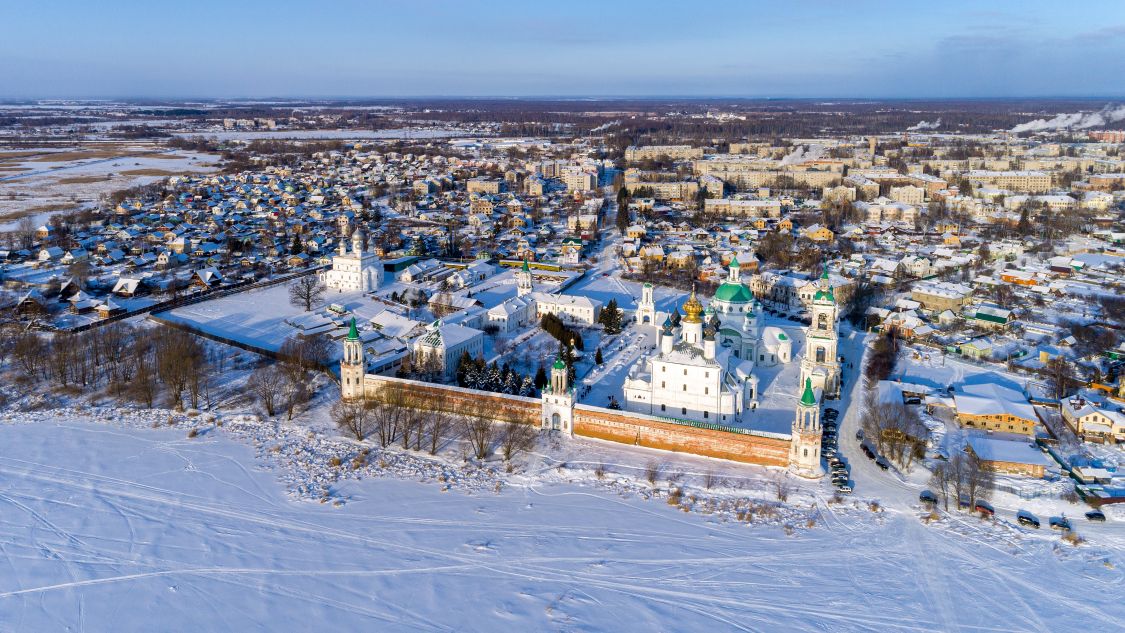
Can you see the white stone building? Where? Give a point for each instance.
(354, 271)
(446, 343)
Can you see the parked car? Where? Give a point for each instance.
(859, 435)
(829, 451)
(1023, 517)
(927, 497)
(846, 489)
(831, 411)
(882, 462)
(1095, 515)
(867, 451)
(838, 460)
(984, 508)
(1060, 523)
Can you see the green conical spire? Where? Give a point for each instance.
(353, 334)
(525, 268)
(808, 398)
(734, 262)
(824, 275)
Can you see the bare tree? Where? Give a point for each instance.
(267, 384)
(306, 292)
(516, 438)
(352, 417)
(479, 433)
(979, 480)
(652, 471)
(439, 423)
(782, 486)
(939, 481)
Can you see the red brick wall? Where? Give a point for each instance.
(457, 400)
(628, 428)
(604, 424)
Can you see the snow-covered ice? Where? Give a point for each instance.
(109, 525)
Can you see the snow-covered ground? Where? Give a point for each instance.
(109, 525)
(404, 133)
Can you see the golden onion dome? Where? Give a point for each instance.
(693, 309)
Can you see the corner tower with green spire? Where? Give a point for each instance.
(804, 447)
(352, 365)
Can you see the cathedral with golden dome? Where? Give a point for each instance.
(689, 375)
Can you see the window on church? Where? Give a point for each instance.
(706, 414)
(685, 387)
(820, 354)
(706, 390)
(685, 371)
(662, 384)
(683, 410)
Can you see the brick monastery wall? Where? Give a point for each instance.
(766, 449)
(651, 432)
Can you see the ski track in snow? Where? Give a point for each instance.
(106, 523)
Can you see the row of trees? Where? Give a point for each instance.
(398, 415)
(881, 358)
(963, 477)
(895, 428)
(475, 373)
(287, 385)
(554, 326)
(141, 364)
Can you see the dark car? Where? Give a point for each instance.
(1095, 515)
(984, 508)
(1023, 517)
(1060, 523)
(831, 411)
(867, 451)
(882, 462)
(927, 497)
(859, 435)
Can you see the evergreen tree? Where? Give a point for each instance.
(611, 317)
(598, 356)
(464, 365)
(540, 378)
(298, 246)
(527, 387)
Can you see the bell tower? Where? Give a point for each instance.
(804, 448)
(646, 309)
(523, 280)
(558, 400)
(352, 366)
(821, 338)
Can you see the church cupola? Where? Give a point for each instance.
(734, 273)
(693, 320)
(667, 336)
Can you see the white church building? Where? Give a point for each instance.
(357, 270)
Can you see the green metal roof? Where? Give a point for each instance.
(353, 334)
(733, 293)
(808, 399)
(559, 364)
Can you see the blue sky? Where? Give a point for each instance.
(794, 48)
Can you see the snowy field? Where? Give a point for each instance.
(404, 133)
(257, 317)
(40, 182)
(108, 526)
